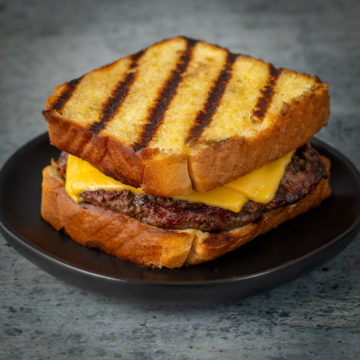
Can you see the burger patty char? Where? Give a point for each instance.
(301, 176)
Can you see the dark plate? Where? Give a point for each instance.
(271, 259)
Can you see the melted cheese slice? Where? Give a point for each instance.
(81, 176)
(259, 186)
(223, 197)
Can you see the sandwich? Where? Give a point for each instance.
(183, 152)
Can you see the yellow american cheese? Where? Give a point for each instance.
(81, 176)
(259, 186)
(223, 197)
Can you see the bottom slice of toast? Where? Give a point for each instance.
(132, 240)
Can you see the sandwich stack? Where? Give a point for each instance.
(183, 152)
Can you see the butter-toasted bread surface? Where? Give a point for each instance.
(185, 115)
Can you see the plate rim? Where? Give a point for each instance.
(10, 233)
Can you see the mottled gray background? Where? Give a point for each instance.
(44, 43)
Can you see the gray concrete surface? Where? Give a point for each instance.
(44, 43)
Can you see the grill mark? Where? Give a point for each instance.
(117, 97)
(157, 112)
(267, 92)
(66, 94)
(204, 117)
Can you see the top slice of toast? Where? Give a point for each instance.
(185, 115)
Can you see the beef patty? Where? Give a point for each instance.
(301, 176)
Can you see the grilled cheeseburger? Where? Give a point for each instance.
(183, 152)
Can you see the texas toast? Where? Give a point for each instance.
(174, 116)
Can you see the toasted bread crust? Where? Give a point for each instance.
(199, 170)
(132, 240)
(201, 162)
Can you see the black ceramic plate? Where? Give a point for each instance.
(269, 260)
